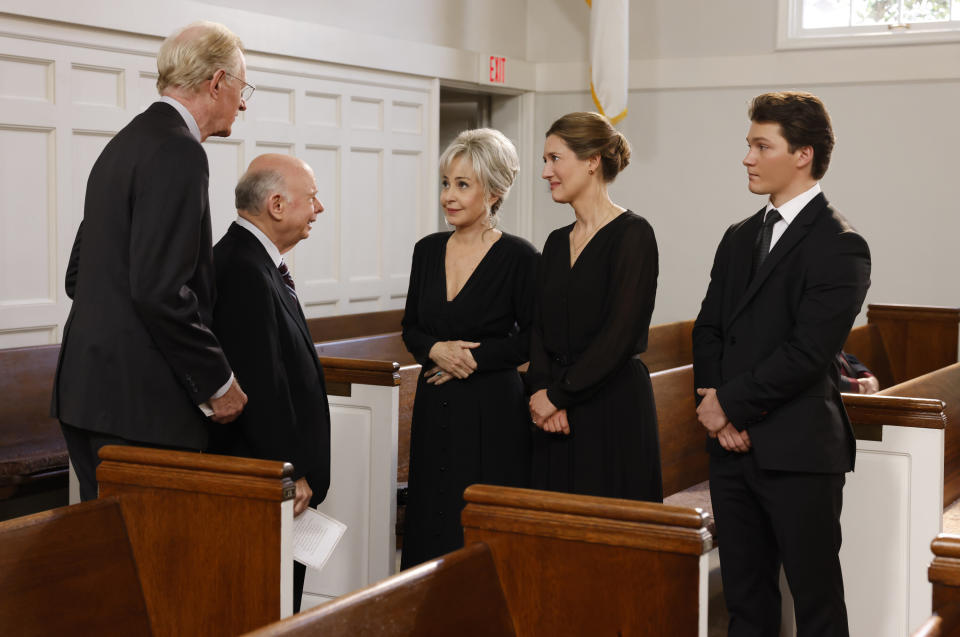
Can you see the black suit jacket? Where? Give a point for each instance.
(265, 336)
(137, 354)
(768, 344)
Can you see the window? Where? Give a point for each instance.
(869, 22)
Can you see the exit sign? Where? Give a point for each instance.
(498, 69)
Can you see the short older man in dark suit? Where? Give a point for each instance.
(785, 287)
(264, 334)
(139, 363)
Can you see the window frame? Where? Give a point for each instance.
(791, 35)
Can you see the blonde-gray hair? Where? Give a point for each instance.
(493, 158)
(193, 54)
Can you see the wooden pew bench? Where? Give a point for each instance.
(70, 571)
(564, 565)
(944, 575)
(457, 594)
(33, 454)
(178, 544)
(900, 342)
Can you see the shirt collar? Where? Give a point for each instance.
(185, 114)
(268, 245)
(792, 208)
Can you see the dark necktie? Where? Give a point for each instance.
(288, 280)
(762, 247)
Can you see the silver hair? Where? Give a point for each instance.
(254, 188)
(493, 158)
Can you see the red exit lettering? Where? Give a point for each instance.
(498, 67)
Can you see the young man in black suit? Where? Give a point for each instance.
(264, 334)
(785, 288)
(139, 363)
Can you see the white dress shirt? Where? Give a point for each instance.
(268, 245)
(185, 114)
(789, 212)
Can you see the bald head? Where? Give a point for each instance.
(278, 195)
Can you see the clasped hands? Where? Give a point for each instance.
(546, 416)
(453, 360)
(711, 415)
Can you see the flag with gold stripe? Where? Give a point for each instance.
(609, 56)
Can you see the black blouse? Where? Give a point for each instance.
(592, 317)
(494, 308)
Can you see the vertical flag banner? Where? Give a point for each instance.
(609, 56)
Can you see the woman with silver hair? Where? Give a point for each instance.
(467, 321)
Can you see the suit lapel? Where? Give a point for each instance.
(290, 305)
(795, 233)
(743, 254)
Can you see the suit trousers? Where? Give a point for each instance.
(84, 448)
(765, 518)
(299, 575)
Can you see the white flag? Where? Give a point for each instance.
(609, 56)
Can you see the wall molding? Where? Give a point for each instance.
(927, 62)
(261, 33)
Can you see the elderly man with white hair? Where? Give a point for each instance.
(139, 364)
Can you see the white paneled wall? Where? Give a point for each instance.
(367, 135)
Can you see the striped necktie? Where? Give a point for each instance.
(287, 279)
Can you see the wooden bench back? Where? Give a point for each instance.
(942, 384)
(669, 345)
(70, 571)
(457, 594)
(683, 458)
(347, 326)
(203, 528)
(580, 565)
(865, 342)
(30, 440)
(917, 339)
(944, 574)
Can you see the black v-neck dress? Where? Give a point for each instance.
(591, 322)
(476, 429)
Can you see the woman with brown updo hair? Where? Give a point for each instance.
(591, 395)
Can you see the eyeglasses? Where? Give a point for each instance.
(247, 91)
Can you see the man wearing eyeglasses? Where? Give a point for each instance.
(139, 364)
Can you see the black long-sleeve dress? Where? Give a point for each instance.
(476, 429)
(591, 322)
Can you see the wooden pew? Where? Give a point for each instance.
(564, 564)
(946, 387)
(668, 345)
(456, 594)
(348, 326)
(33, 454)
(580, 565)
(683, 459)
(70, 571)
(179, 544)
(944, 575)
(900, 342)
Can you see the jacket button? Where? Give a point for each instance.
(733, 340)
